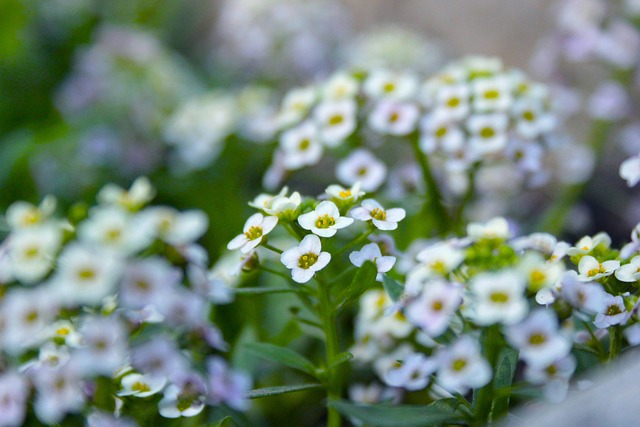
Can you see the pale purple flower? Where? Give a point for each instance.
(413, 373)
(226, 385)
(14, 392)
(555, 377)
(104, 346)
(59, 391)
(158, 357)
(613, 313)
(433, 309)
(610, 102)
(394, 118)
(371, 252)
(589, 297)
(146, 281)
(182, 307)
(461, 366)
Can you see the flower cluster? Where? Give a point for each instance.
(110, 306)
(538, 298)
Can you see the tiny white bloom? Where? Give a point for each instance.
(539, 274)
(614, 312)
(413, 373)
(630, 170)
(440, 133)
(433, 309)
(491, 94)
(538, 339)
(176, 228)
(256, 227)
(629, 272)
(24, 214)
(387, 84)
(32, 251)
(141, 385)
(296, 105)
(325, 220)
(461, 366)
(586, 244)
(362, 166)
(589, 297)
(496, 228)
(382, 219)
(488, 132)
(301, 146)
(282, 204)
(305, 259)
(336, 121)
(441, 258)
(371, 252)
(591, 269)
(453, 101)
(555, 377)
(498, 298)
(394, 118)
(340, 86)
(140, 193)
(175, 405)
(338, 192)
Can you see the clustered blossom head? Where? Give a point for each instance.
(542, 295)
(76, 294)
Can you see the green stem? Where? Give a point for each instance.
(433, 208)
(293, 231)
(275, 272)
(327, 313)
(468, 196)
(354, 242)
(483, 399)
(615, 342)
(272, 248)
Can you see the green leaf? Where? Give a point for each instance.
(505, 370)
(364, 278)
(397, 416)
(341, 358)
(225, 422)
(275, 391)
(282, 355)
(393, 288)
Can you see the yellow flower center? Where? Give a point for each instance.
(336, 119)
(86, 274)
(64, 331)
(32, 217)
(31, 316)
(441, 131)
(393, 117)
(492, 94)
(537, 277)
(439, 266)
(389, 87)
(597, 270)
(453, 102)
(362, 171)
(499, 297)
(307, 260)
(140, 387)
(304, 144)
(528, 116)
(437, 305)
(612, 310)
(378, 214)
(325, 221)
(537, 338)
(487, 132)
(31, 252)
(345, 193)
(113, 234)
(458, 364)
(254, 233)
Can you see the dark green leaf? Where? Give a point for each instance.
(340, 359)
(282, 355)
(393, 288)
(505, 369)
(363, 280)
(225, 422)
(274, 391)
(397, 416)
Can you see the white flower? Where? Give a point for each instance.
(413, 374)
(539, 274)
(441, 258)
(488, 132)
(85, 275)
(14, 392)
(59, 390)
(23, 214)
(433, 309)
(498, 298)
(141, 385)
(587, 244)
(371, 252)
(387, 84)
(440, 133)
(104, 346)
(282, 204)
(629, 272)
(541, 242)
(32, 251)
(538, 339)
(531, 118)
(496, 228)
(452, 102)
(630, 170)
(301, 146)
(362, 166)
(491, 94)
(461, 366)
(614, 312)
(296, 105)
(115, 229)
(147, 280)
(140, 193)
(555, 377)
(256, 227)
(306, 259)
(591, 269)
(589, 297)
(325, 220)
(174, 405)
(394, 118)
(176, 228)
(340, 86)
(382, 219)
(25, 315)
(338, 192)
(336, 121)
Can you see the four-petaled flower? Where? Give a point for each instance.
(256, 227)
(305, 259)
(370, 210)
(325, 220)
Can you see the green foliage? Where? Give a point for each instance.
(393, 288)
(363, 280)
(384, 415)
(282, 355)
(275, 391)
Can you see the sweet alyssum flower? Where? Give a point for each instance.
(413, 374)
(14, 392)
(339, 193)
(588, 297)
(629, 272)
(255, 228)
(394, 118)
(305, 259)
(433, 309)
(139, 385)
(140, 193)
(176, 228)
(591, 269)
(498, 297)
(614, 312)
(461, 366)
(31, 252)
(586, 244)
(325, 220)
(370, 210)
(494, 229)
(336, 121)
(301, 146)
(24, 214)
(371, 252)
(362, 166)
(630, 170)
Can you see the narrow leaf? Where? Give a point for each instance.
(340, 359)
(505, 369)
(384, 415)
(274, 391)
(393, 288)
(263, 291)
(363, 280)
(282, 355)
(225, 422)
